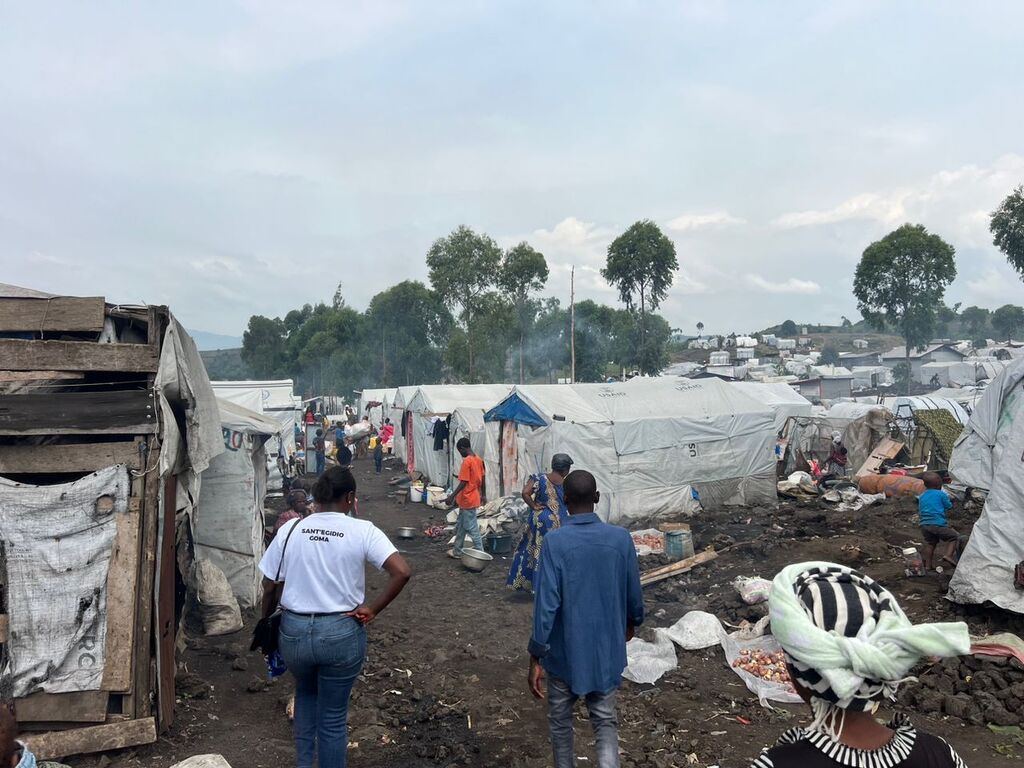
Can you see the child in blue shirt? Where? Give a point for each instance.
(933, 505)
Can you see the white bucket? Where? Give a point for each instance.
(416, 494)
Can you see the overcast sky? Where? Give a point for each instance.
(232, 158)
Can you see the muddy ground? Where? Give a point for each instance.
(445, 680)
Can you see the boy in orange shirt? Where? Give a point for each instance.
(469, 495)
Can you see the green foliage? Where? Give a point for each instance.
(829, 356)
(407, 331)
(788, 328)
(901, 280)
(641, 264)
(1008, 321)
(463, 267)
(902, 375)
(1007, 227)
(225, 364)
(263, 346)
(524, 272)
(975, 320)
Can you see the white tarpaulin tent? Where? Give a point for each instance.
(784, 401)
(398, 417)
(990, 455)
(645, 442)
(483, 437)
(376, 413)
(228, 525)
(437, 402)
(275, 400)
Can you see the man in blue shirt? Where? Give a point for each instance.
(588, 602)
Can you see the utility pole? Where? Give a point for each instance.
(572, 325)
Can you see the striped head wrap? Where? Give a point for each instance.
(847, 639)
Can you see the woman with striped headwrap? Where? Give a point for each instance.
(849, 646)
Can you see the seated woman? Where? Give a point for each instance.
(546, 498)
(849, 645)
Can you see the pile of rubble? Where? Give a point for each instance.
(979, 691)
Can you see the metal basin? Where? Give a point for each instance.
(475, 560)
(406, 533)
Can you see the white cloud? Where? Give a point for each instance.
(885, 208)
(689, 222)
(791, 285)
(954, 203)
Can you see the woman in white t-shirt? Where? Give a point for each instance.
(322, 560)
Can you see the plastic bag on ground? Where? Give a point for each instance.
(695, 631)
(649, 541)
(216, 603)
(752, 590)
(203, 761)
(765, 690)
(647, 662)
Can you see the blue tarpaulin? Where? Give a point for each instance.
(514, 408)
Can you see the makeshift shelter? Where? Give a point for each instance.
(432, 456)
(276, 400)
(784, 401)
(861, 426)
(645, 441)
(228, 525)
(990, 456)
(107, 419)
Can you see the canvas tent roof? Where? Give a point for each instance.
(257, 395)
(781, 398)
(899, 353)
(648, 441)
(988, 455)
(443, 399)
(242, 419)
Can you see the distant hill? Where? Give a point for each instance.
(206, 340)
(225, 364)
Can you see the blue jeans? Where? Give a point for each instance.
(603, 720)
(467, 524)
(378, 461)
(325, 655)
(321, 463)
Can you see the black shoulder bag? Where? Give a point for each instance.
(265, 634)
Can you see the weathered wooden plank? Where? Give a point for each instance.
(166, 626)
(96, 738)
(122, 576)
(61, 313)
(6, 376)
(21, 355)
(5, 626)
(122, 412)
(144, 621)
(76, 707)
(660, 574)
(80, 457)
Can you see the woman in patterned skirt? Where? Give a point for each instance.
(546, 499)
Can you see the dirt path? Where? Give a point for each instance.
(444, 683)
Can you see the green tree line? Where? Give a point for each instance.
(482, 318)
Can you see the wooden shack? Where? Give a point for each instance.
(81, 392)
